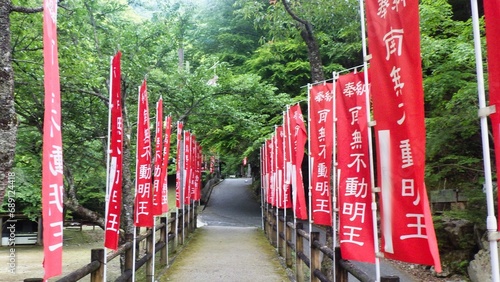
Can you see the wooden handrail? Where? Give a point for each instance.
(343, 266)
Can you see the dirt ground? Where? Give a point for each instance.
(76, 253)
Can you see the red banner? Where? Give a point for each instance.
(197, 174)
(187, 168)
(114, 197)
(298, 139)
(268, 174)
(212, 164)
(179, 168)
(272, 170)
(353, 158)
(398, 109)
(282, 198)
(164, 165)
(321, 147)
(143, 190)
(492, 20)
(157, 188)
(52, 162)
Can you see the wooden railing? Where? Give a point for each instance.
(185, 225)
(280, 232)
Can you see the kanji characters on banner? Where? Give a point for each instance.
(157, 188)
(353, 158)
(143, 214)
(52, 159)
(187, 168)
(321, 147)
(396, 75)
(282, 197)
(114, 178)
(297, 138)
(164, 165)
(179, 169)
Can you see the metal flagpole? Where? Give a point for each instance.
(491, 221)
(107, 163)
(371, 123)
(311, 162)
(154, 249)
(133, 253)
(183, 179)
(285, 175)
(334, 176)
(262, 196)
(276, 183)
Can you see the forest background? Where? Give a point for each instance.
(227, 69)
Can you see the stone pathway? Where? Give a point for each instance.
(221, 253)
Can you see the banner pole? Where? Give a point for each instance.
(133, 253)
(310, 161)
(491, 221)
(107, 162)
(276, 184)
(262, 196)
(154, 249)
(335, 186)
(366, 58)
(285, 180)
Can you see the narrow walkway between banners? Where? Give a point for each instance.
(228, 246)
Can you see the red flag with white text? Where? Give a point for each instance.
(164, 165)
(298, 139)
(187, 168)
(321, 146)
(143, 213)
(353, 158)
(398, 109)
(272, 170)
(492, 20)
(282, 198)
(114, 177)
(179, 169)
(157, 188)
(52, 160)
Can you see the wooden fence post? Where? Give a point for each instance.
(341, 275)
(129, 255)
(288, 237)
(279, 229)
(315, 256)
(149, 250)
(273, 225)
(98, 275)
(180, 230)
(173, 230)
(299, 248)
(195, 216)
(164, 238)
(269, 220)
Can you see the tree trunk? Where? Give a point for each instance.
(8, 118)
(71, 202)
(307, 33)
(313, 53)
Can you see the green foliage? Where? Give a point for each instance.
(454, 154)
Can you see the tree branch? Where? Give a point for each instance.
(26, 10)
(292, 14)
